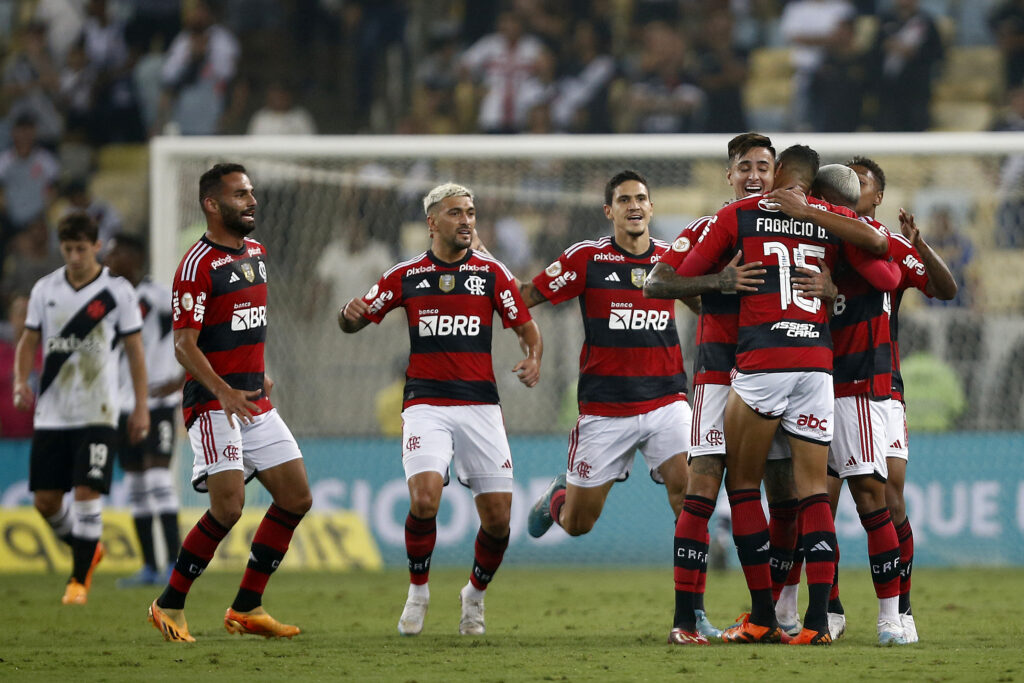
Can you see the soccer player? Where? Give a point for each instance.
(146, 465)
(219, 309)
(632, 385)
(921, 268)
(862, 367)
(751, 171)
(80, 311)
(451, 413)
(783, 358)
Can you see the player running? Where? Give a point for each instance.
(783, 359)
(632, 385)
(451, 413)
(81, 311)
(219, 304)
(146, 465)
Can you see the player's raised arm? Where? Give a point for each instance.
(793, 202)
(352, 316)
(237, 402)
(941, 283)
(666, 283)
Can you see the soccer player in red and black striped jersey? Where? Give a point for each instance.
(450, 414)
(783, 362)
(632, 385)
(862, 367)
(923, 269)
(219, 310)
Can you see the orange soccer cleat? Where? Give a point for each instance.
(746, 632)
(75, 593)
(173, 631)
(811, 637)
(258, 623)
(678, 636)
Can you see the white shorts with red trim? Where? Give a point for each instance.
(707, 435)
(804, 401)
(472, 437)
(263, 443)
(896, 434)
(859, 445)
(602, 449)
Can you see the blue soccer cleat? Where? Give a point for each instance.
(539, 520)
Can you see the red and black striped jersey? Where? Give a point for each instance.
(222, 292)
(862, 355)
(631, 362)
(449, 307)
(912, 275)
(779, 329)
(718, 323)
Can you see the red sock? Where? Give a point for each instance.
(750, 533)
(883, 553)
(906, 536)
(487, 554)
(783, 534)
(420, 537)
(196, 552)
(818, 538)
(557, 501)
(269, 545)
(691, 558)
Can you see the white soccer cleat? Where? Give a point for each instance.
(472, 622)
(891, 633)
(909, 627)
(411, 621)
(836, 625)
(789, 622)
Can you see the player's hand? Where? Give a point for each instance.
(353, 311)
(23, 396)
(239, 403)
(735, 278)
(811, 283)
(790, 201)
(138, 424)
(908, 227)
(528, 370)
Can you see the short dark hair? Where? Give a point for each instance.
(131, 242)
(744, 142)
(210, 182)
(618, 179)
(801, 158)
(872, 166)
(76, 226)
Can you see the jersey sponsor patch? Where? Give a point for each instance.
(554, 269)
(681, 244)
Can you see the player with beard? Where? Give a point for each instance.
(219, 308)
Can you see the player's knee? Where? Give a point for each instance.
(298, 504)
(423, 504)
(577, 524)
(47, 505)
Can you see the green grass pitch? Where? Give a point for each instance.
(569, 624)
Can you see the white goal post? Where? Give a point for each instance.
(536, 193)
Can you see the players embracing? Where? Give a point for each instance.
(451, 415)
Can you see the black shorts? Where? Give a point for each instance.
(64, 458)
(159, 444)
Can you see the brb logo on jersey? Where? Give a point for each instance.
(249, 318)
(449, 325)
(624, 317)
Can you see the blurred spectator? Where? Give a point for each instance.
(28, 175)
(280, 115)
(63, 21)
(14, 424)
(115, 111)
(581, 104)
(199, 67)
(154, 24)
(30, 256)
(663, 96)
(77, 80)
(957, 251)
(1010, 214)
(839, 84)
(347, 263)
(537, 93)
(809, 26)
(106, 216)
(374, 28)
(907, 52)
(721, 73)
(1007, 23)
(31, 83)
(504, 61)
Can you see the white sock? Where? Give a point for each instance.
(472, 592)
(419, 590)
(889, 609)
(88, 523)
(160, 490)
(787, 604)
(138, 502)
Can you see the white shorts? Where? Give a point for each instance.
(602, 449)
(471, 436)
(804, 401)
(264, 443)
(859, 444)
(707, 435)
(896, 434)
